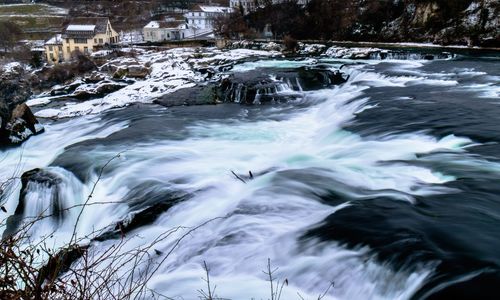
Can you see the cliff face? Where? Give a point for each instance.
(462, 22)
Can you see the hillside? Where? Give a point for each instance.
(463, 22)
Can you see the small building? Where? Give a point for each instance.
(201, 18)
(167, 30)
(54, 49)
(81, 34)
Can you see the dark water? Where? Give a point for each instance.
(459, 232)
(388, 185)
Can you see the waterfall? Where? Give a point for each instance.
(266, 181)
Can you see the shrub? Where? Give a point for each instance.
(290, 43)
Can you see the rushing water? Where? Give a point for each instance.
(386, 185)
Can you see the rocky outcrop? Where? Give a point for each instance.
(131, 71)
(198, 95)
(34, 179)
(261, 85)
(17, 122)
(100, 89)
(467, 22)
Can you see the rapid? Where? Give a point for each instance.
(386, 185)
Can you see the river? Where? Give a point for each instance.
(386, 185)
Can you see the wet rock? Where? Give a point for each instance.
(198, 95)
(264, 85)
(29, 180)
(147, 202)
(17, 122)
(60, 262)
(22, 124)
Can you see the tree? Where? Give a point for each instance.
(10, 33)
(231, 26)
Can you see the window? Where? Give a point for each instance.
(59, 48)
(68, 49)
(67, 41)
(77, 48)
(168, 35)
(101, 41)
(80, 41)
(86, 50)
(50, 48)
(95, 41)
(51, 56)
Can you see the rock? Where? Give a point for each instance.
(147, 202)
(33, 179)
(17, 122)
(311, 49)
(95, 77)
(60, 90)
(133, 71)
(351, 53)
(138, 71)
(271, 46)
(100, 89)
(60, 262)
(120, 72)
(22, 124)
(257, 86)
(198, 95)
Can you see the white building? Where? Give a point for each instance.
(201, 17)
(168, 30)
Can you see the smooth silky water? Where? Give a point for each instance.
(386, 185)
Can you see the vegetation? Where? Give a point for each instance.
(361, 20)
(31, 9)
(10, 33)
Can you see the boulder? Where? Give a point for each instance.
(97, 90)
(33, 179)
(198, 95)
(133, 71)
(22, 124)
(95, 77)
(120, 72)
(269, 85)
(17, 122)
(138, 71)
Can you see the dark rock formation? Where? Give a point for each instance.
(147, 202)
(30, 179)
(17, 122)
(198, 95)
(261, 85)
(103, 88)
